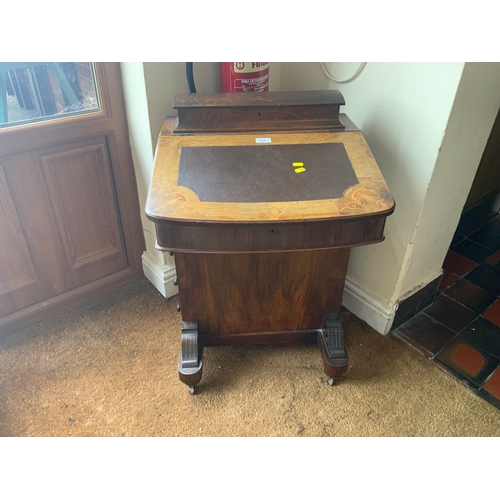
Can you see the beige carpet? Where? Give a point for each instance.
(109, 368)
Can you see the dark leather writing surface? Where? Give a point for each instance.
(266, 172)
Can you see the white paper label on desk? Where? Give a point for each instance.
(263, 139)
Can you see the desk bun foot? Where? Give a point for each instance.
(190, 359)
(331, 345)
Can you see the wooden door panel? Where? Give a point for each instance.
(83, 202)
(36, 216)
(487, 179)
(19, 286)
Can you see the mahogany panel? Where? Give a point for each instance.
(79, 183)
(271, 100)
(19, 286)
(258, 111)
(261, 292)
(268, 237)
(28, 190)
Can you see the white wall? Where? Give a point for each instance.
(134, 87)
(404, 111)
(164, 80)
(474, 111)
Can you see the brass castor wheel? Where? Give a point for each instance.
(192, 389)
(331, 381)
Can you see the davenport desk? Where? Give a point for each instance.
(260, 197)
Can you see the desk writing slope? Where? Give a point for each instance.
(261, 221)
(266, 173)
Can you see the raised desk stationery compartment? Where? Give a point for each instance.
(258, 111)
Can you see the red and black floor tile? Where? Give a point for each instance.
(460, 330)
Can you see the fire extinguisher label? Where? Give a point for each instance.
(251, 84)
(250, 67)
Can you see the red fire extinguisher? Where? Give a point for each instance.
(244, 76)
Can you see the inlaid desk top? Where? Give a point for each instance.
(265, 177)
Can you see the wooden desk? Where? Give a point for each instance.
(261, 221)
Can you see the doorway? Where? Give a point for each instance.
(483, 201)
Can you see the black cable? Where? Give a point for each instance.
(190, 77)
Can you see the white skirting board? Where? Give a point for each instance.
(365, 306)
(160, 276)
(368, 308)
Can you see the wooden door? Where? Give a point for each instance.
(487, 180)
(70, 225)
